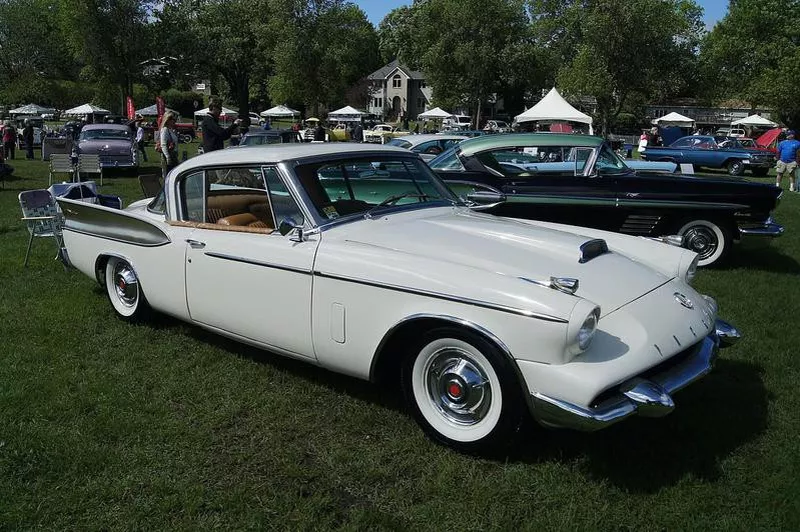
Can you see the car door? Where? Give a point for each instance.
(249, 280)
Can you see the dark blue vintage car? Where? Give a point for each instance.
(701, 150)
(580, 180)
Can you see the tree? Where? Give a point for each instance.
(615, 51)
(109, 37)
(323, 48)
(396, 35)
(471, 49)
(753, 54)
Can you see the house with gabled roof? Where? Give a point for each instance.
(397, 92)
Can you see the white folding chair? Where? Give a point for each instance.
(40, 213)
(89, 164)
(61, 163)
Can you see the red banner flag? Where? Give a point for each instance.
(160, 108)
(131, 109)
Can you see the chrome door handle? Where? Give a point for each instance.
(196, 244)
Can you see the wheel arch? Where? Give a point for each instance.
(388, 355)
(100, 266)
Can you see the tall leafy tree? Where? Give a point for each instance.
(110, 38)
(323, 47)
(753, 54)
(619, 51)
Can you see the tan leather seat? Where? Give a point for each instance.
(244, 219)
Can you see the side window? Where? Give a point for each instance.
(449, 161)
(192, 192)
(683, 143)
(281, 201)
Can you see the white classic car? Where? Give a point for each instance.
(359, 259)
(382, 132)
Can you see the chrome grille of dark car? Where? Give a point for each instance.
(111, 160)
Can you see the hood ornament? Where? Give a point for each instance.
(683, 300)
(568, 285)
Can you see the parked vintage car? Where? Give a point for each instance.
(381, 133)
(497, 126)
(114, 143)
(578, 179)
(750, 145)
(358, 259)
(703, 151)
(258, 137)
(427, 146)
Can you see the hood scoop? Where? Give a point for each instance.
(592, 249)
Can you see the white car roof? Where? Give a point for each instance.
(276, 153)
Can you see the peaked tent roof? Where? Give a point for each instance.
(225, 112)
(436, 112)
(554, 108)
(346, 114)
(280, 110)
(30, 109)
(87, 109)
(754, 120)
(151, 110)
(384, 71)
(674, 119)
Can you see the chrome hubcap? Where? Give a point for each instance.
(458, 386)
(702, 240)
(125, 285)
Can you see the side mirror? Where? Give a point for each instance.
(484, 199)
(288, 225)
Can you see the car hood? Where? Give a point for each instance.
(464, 239)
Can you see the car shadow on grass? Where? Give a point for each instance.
(766, 258)
(712, 419)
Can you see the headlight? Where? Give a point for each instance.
(692, 270)
(587, 330)
(582, 327)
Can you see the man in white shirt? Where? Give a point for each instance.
(140, 142)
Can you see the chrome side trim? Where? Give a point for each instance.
(649, 397)
(445, 297)
(110, 224)
(257, 263)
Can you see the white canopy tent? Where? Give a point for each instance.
(30, 109)
(434, 114)
(280, 111)
(86, 109)
(225, 112)
(152, 111)
(553, 108)
(346, 114)
(674, 119)
(754, 121)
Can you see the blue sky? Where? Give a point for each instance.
(377, 9)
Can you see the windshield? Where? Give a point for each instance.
(257, 140)
(371, 185)
(91, 134)
(400, 143)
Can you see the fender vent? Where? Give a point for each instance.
(592, 249)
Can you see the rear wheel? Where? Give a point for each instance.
(124, 291)
(709, 240)
(735, 167)
(462, 390)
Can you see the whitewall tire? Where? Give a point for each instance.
(709, 240)
(124, 290)
(461, 390)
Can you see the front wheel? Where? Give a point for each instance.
(735, 167)
(709, 240)
(124, 291)
(461, 390)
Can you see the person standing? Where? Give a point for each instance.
(9, 139)
(214, 135)
(27, 139)
(319, 133)
(358, 132)
(787, 160)
(141, 144)
(168, 143)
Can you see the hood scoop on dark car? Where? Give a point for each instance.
(592, 248)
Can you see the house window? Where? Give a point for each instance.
(378, 102)
(397, 82)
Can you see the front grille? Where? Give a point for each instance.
(116, 160)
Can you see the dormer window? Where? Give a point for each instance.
(397, 81)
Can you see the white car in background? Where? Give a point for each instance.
(357, 258)
(428, 146)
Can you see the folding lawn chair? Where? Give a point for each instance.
(151, 185)
(61, 163)
(40, 213)
(89, 164)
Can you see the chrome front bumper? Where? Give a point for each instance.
(768, 228)
(648, 395)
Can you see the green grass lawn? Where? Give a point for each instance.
(106, 425)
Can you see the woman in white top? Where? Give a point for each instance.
(168, 143)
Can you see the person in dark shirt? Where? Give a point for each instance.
(214, 135)
(319, 133)
(27, 138)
